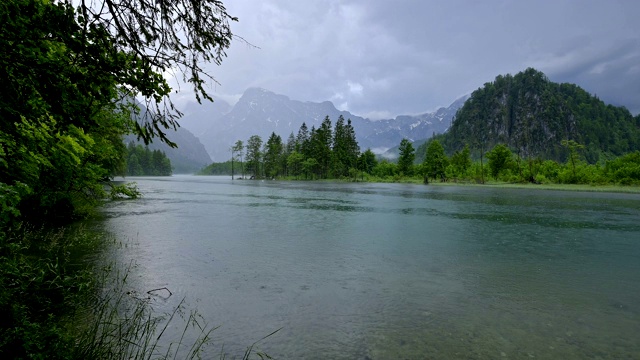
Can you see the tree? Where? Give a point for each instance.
(500, 158)
(70, 70)
(407, 155)
(345, 148)
(272, 156)
(353, 149)
(152, 35)
(237, 148)
(294, 162)
(461, 161)
(573, 147)
(339, 155)
(302, 140)
(320, 146)
(309, 167)
(254, 155)
(368, 161)
(289, 148)
(435, 162)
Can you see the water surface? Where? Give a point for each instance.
(386, 271)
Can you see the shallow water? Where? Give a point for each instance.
(386, 271)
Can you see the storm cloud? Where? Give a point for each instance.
(379, 59)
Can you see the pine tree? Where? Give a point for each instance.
(407, 156)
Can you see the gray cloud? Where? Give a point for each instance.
(379, 58)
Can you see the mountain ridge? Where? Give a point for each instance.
(260, 112)
(533, 116)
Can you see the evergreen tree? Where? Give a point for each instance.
(237, 149)
(339, 156)
(254, 155)
(294, 163)
(353, 149)
(407, 155)
(320, 143)
(302, 140)
(367, 161)
(289, 148)
(272, 156)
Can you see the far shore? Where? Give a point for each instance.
(608, 188)
(628, 189)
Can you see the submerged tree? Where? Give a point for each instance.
(238, 148)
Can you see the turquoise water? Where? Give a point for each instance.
(389, 271)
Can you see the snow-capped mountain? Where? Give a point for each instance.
(261, 112)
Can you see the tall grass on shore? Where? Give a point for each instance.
(54, 304)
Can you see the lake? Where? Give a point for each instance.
(389, 271)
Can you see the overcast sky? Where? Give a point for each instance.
(382, 58)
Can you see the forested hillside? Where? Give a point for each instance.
(532, 115)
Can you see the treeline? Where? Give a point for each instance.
(144, 162)
(222, 168)
(502, 164)
(322, 153)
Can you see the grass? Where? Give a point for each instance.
(54, 304)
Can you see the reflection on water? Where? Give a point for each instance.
(384, 271)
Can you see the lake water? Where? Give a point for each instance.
(389, 271)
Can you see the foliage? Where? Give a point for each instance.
(573, 147)
(146, 38)
(345, 150)
(273, 152)
(294, 162)
(317, 154)
(500, 159)
(39, 283)
(53, 306)
(254, 155)
(127, 191)
(385, 169)
(435, 162)
(367, 161)
(216, 168)
(407, 156)
(624, 170)
(460, 163)
(67, 73)
(144, 162)
(237, 151)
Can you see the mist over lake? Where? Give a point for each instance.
(382, 271)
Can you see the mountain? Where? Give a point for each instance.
(190, 155)
(261, 112)
(533, 115)
(198, 118)
(388, 133)
(187, 158)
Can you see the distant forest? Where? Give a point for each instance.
(144, 162)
